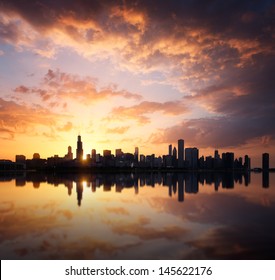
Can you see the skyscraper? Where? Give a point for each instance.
(79, 150)
(192, 157)
(136, 154)
(69, 155)
(247, 162)
(170, 150)
(265, 161)
(180, 153)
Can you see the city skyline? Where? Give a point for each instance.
(137, 74)
(178, 157)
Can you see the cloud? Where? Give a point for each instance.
(220, 56)
(118, 130)
(140, 111)
(191, 44)
(58, 86)
(22, 89)
(243, 102)
(14, 30)
(147, 32)
(6, 134)
(67, 127)
(16, 118)
(218, 132)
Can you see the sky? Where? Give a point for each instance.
(126, 74)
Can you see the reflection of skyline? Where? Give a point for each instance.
(178, 184)
(47, 223)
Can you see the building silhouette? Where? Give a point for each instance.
(79, 150)
(179, 158)
(192, 158)
(69, 155)
(170, 151)
(136, 154)
(180, 153)
(265, 161)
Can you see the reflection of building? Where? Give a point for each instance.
(79, 191)
(180, 187)
(265, 179)
(191, 183)
(178, 183)
(79, 150)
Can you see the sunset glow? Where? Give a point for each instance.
(128, 74)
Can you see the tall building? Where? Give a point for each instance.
(192, 157)
(118, 152)
(36, 156)
(174, 160)
(265, 161)
(217, 160)
(20, 159)
(107, 153)
(93, 154)
(228, 160)
(180, 153)
(136, 154)
(170, 150)
(247, 162)
(69, 155)
(79, 150)
(175, 153)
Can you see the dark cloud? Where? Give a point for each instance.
(220, 53)
(231, 18)
(215, 132)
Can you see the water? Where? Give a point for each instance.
(137, 216)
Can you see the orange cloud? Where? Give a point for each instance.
(118, 130)
(58, 85)
(139, 112)
(67, 127)
(16, 118)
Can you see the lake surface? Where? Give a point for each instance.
(137, 216)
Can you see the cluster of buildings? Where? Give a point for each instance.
(177, 158)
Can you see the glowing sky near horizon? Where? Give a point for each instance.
(137, 73)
